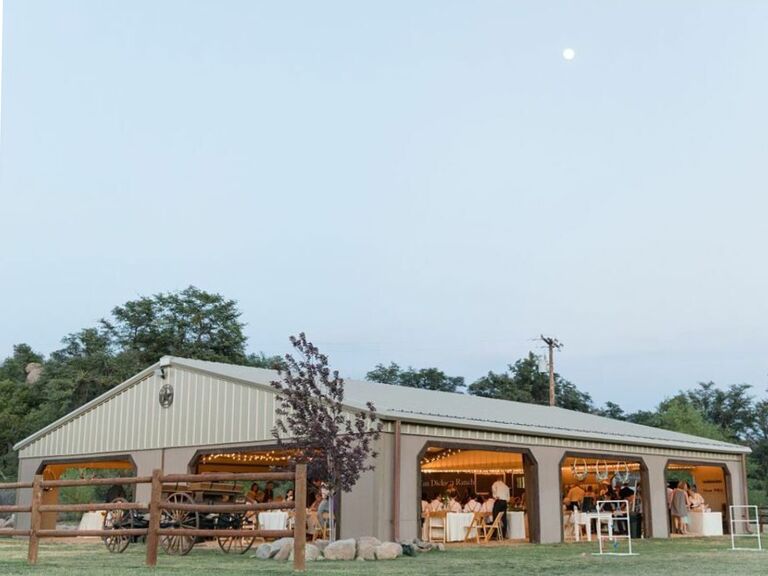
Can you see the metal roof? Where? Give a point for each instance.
(450, 410)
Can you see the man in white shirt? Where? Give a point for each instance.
(500, 493)
(436, 505)
(472, 504)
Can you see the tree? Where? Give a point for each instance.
(524, 382)
(336, 444)
(15, 367)
(191, 323)
(731, 410)
(680, 415)
(426, 378)
(611, 410)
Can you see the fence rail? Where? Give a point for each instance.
(160, 485)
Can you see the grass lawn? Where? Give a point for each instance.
(698, 556)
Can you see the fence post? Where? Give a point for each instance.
(35, 519)
(300, 518)
(154, 517)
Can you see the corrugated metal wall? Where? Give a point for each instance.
(205, 410)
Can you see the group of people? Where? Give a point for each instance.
(257, 494)
(490, 506)
(584, 499)
(681, 499)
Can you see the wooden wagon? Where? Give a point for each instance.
(184, 494)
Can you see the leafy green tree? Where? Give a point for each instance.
(426, 378)
(14, 367)
(611, 410)
(732, 410)
(524, 382)
(190, 323)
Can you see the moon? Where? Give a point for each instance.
(569, 54)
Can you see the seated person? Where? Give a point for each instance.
(454, 505)
(424, 504)
(473, 504)
(487, 509)
(253, 494)
(289, 495)
(436, 505)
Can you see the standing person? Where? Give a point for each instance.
(696, 500)
(269, 492)
(680, 506)
(575, 497)
(500, 493)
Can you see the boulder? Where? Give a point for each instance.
(408, 550)
(311, 553)
(366, 547)
(341, 550)
(284, 552)
(321, 544)
(264, 552)
(277, 545)
(389, 551)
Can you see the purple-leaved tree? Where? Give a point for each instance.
(335, 443)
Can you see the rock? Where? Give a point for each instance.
(440, 547)
(340, 550)
(424, 546)
(277, 545)
(408, 549)
(311, 553)
(284, 552)
(34, 370)
(321, 544)
(366, 547)
(264, 552)
(389, 551)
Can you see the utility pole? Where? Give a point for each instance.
(551, 343)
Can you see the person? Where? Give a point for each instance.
(680, 506)
(424, 504)
(454, 505)
(487, 509)
(316, 503)
(436, 505)
(696, 500)
(472, 505)
(269, 492)
(575, 497)
(626, 493)
(115, 491)
(588, 502)
(253, 493)
(289, 495)
(323, 509)
(500, 493)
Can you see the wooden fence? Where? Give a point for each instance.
(156, 504)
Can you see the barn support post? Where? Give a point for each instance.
(300, 518)
(396, 483)
(154, 517)
(35, 519)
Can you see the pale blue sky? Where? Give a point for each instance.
(424, 182)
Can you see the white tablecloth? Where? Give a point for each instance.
(273, 520)
(456, 526)
(92, 521)
(706, 523)
(516, 525)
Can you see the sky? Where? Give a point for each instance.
(429, 182)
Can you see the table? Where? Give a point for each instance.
(92, 520)
(516, 525)
(456, 524)
(277, 520)
(586, 518)
(706, 523)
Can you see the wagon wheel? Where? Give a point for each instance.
(113, 520)
(170, 518)
(234, 544)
